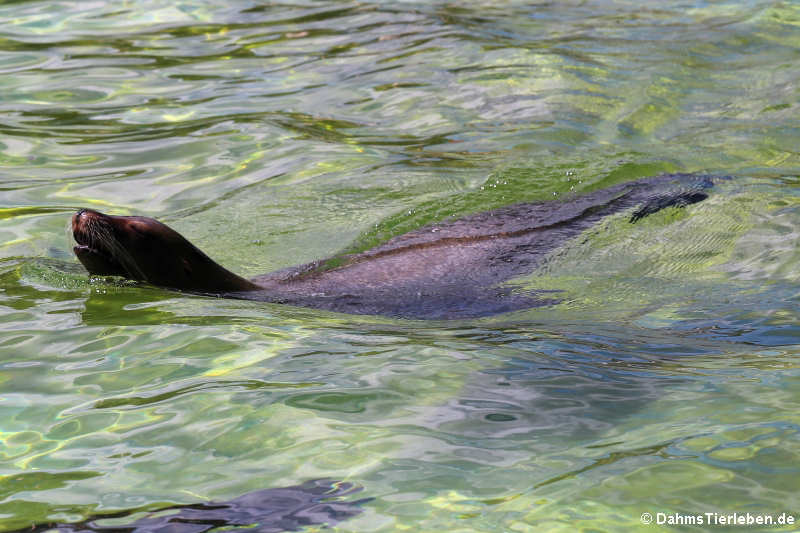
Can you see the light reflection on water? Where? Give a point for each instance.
(666, 380)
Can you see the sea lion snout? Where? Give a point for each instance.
(84, 227)
(83, 212)
(80, 223)
(76, 219)
(82, 219)
(92, 235)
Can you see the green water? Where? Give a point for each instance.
(667, 379)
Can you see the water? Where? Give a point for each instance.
(666, 380)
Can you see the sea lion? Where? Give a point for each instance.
(453, 269)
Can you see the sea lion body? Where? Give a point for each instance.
(449, 270)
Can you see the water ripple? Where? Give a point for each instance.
(275, 134)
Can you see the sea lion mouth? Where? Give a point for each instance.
(97, 262)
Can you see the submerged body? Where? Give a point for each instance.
(454, 269)
(319, 502)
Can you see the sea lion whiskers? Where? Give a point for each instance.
(99, 236)
(104, 236)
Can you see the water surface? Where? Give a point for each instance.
(666, 380)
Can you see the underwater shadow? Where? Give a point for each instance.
(316, 502)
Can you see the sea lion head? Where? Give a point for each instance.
(144, 249)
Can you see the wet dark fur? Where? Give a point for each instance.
(449, 270)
